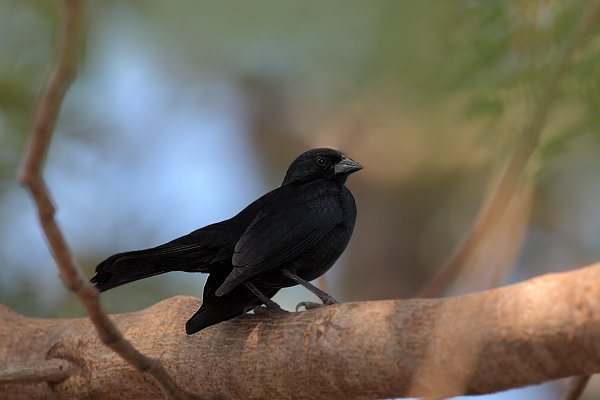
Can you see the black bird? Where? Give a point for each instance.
(289, 236)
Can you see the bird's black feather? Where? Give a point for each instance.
(278, 235)
(303, 227)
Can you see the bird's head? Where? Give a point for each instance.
(321, 164)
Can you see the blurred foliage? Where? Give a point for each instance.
(23, 56)
(480, 51)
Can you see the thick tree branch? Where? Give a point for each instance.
(48, 106)
(539, 330)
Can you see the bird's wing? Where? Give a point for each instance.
(276, 237)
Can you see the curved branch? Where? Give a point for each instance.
(47, 110)
(542, 329)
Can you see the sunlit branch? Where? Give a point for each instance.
(463, 345)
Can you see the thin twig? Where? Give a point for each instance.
(48, 106)
(491, 212)
(576, 387)
(54, 371)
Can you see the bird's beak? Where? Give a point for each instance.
(346, 166)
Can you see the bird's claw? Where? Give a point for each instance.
(311, 305)
(262, 310)
(308, 305)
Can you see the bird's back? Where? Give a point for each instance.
(305, 228)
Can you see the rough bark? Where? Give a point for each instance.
(542, 329)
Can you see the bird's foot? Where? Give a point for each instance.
(262, 310)
(311, 305)
(328, 300)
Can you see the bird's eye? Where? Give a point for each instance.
(322, 162)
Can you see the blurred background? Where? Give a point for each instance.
(184, 112)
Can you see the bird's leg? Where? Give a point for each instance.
(325, 298)
(270, 306)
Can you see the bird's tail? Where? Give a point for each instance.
(123, 268)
